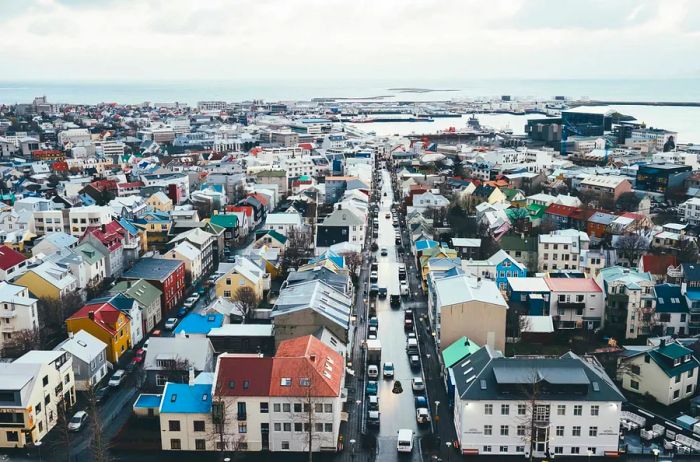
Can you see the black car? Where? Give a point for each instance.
(395, 300)
(102, 394)
(382, 292)
(373, 290)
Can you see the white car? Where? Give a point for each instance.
(117, 378)
(372, 372)
(388, 369)
(77, 422)
(403, 288)
(189, 303)
(417, 384)
(422, 415)
(171, 323)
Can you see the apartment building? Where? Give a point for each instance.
(629, 300)
(47, 221)
(690, 210)
(561, 250)
(605, 187)
(576, 303)
(575, 410)
(18, 312)
(31, 389)
(80, 218)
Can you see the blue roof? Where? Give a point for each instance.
(693, 294)
(126, 224)
(669, 299)
(332, 256)
(425, 244)
(148, 400)
(181, 398)
(195, 323)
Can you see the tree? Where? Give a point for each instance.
(52, 315)
(533, 421)
(627, 202)
(21, 342)
(224, 417)
(99, 444)
(247, 300)
(62, 443)
(353, 261)
(631, 246)
(687, 251)
(298, 249)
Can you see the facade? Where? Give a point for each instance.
(105, 322)
(12, 263)
(243, 273)
(191, 256)
(47, 221)
(668, 372)
(170, 359)
(576, 303)
(561, 250)
(89, 359)
(662, 178)
(205, 242)
(80, 218)
(341, 225)
(575, 412)
(605, 187)
(465, 305)
(185, 417)
(629, 300)
(147, 296)
(18, 312)
(168, 276)
(33, 386)
(498, 268)
(48, 280)
(283, 222)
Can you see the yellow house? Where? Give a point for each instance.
(244, 273)
(160, 202)
(428, 254)
(48, 280)
(107, 323)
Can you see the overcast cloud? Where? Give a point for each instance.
(319, 39)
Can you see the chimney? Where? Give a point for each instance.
(662, 343)
(70, 334)
(91, 315)
(191, 376)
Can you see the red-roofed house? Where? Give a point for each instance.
(272, 398)
(127, 189)
(559, 216)
(12, 263)
(576, 303)
(107, 323)
(109, 242)
(657, 265)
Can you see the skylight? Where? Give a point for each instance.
(173, 397)
(468, 370)
(286, 382)
(466, 362)
(305, 382)
(326, 374)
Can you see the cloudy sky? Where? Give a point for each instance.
(329, 39)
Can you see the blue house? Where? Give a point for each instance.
(671, 309)
(499, 267)
(528, 295)
(199, 325)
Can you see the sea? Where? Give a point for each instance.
(684, 120)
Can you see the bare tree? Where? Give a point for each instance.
(687, 250)
(62, 443)
(21, 342)
(99, 444)
(225, 419)
(532, 416)
(299, 245)
(247, 300)
(631, 246)
(175, 370)
(353, 261)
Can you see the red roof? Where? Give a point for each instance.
(9, 257)
(234, 370)
(102, 185)
(110, 239)
(132, 184)
(307, 146)
(563, 210)
(572, 285)
(658, 264)
(105, 315)
(260, 197)
(247, 209)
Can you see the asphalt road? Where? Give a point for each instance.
(397, 410)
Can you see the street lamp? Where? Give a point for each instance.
(589, 455)
(352, 446)
(38, 446)
(656, 454)
(437, 420)
(359, 421)
(449, 447)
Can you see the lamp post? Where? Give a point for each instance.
(656, 454)
(38, 447)
(437, 420)
(589, 455)
(352, 448)
(359, 421)
(449, 447)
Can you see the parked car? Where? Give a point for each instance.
(117, 378)
(372, 371)
(403, 288)
(190, 302)
(372, 387)
(388, 369)
(171, 323)
(78, 421)
(417, 385)
(415, 361)
(373, 403)
(373, 289)
(422, 416)
(372, 337)
(420, 401)
(139, 356)
(102, 394)
(373, 321)
(373, 418)
(372, 330)
(382, 292)
(373, 276)
(182, 312)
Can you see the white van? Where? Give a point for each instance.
(404, 441)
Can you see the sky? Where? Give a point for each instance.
(349, 39)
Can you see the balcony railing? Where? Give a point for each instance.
(571, 305)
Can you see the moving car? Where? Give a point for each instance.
(395, 300)
(388, 369)
(385, 252)
(78, 421)
(382, 292)
(417, 385)
(388, 215)
(372, 371)
(404, 440)
(422, 416)
(171, 323)
(371, 387)
(117, 378)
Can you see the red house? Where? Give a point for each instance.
(167, 275)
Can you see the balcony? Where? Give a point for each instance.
(8, 314)
(571, 305)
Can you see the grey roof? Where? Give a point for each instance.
(342, 217)
(83, 346)
(463, 288)
(337, 281)
(153, 269)
(486, 375)
(199, 352)
(318, 296)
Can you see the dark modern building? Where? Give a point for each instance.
(586, 121)
(546, 130)
(662, 178)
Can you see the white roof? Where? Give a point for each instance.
(57, 276)
(537, 324)
(528, 284)
(465, 242)
(187, 250)
(9, 294)
(83, 346)
(604, 110)
(242, 330)
(463, 288)
(293, 219)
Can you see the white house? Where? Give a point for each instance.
(576, 303)
(668, 371)
(89, 359)
(81, 217)
(190, 255)
(561, 250)
(690, 210)
(542, 406)
(283, 222)
(18, 312)
(430, 200)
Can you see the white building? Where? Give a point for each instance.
(18, 312)
(690, 210)
(283, 222)
(629, 300)
(668, 371)
(561, 249)
(33, 386)
(47, 221)
(429, 200)
(545, 406)
(74, 136)
(190, 255)
(576, 303)
(82, 217)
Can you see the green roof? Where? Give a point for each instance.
(141, 291)
(510, 193)
(536, 210)
(225, 221)
(459, 350)
(512, 242)
(88, 252)
(665, 355)
(517, 214)
(271, 232)
(674, 351)
(214, 228)
(278, 173)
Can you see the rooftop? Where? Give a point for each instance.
(153, 269)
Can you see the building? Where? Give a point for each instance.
(48, 280)
(53, 242)
(205, 242)
(629, 300)
(662, 178)
(170, 359)
(690, 210)
(80, 218)
(671, 315)
(561, 250)
(12, 263)
(529, 296)
(467, 249)
(605, 188)
(168, 276)
(191, 256)
(185, 417)
(18, 312)
(109, 241)
(283, 223)
(32, 388)
(47, 221)
(668, 372)
(657, 138)
(499, 267)
(466, 305)
(242, 273)
(275, 403)
(540, 406)
(429, 200)
(576, 303)
(105, 322)
(147, 296)
(89, 359)
(342, 225)
(160, 202)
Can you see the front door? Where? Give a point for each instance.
(265, 432)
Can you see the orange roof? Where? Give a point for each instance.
(572, 285)
(306, 358)
(658, 264)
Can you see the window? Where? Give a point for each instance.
(328, 427)
(488, 409)
(45, 380)
(634, 384)
(578, 409)
(691, 372)
(297, 427)
(676, 394)
(505, 409)
(521, 430)
(328, 408)
(318, 407)
(264, 409)
(558, 450)
(576, 431)
(522, 409)
(318, 427)
(161, 380)
(37, 407)
(242, 427)
(175, 443)
(174, 425)
(595, 409)
(575, 450)
(285, 445)
(488, 430)
(689, 389)
(200, 445)
(678, 379)
(561, 409)
(227, 293)
(560, 430)
(276, 407)
(520, 449)
(241, 411)
(198, 425)
(504, 430)
(636, 370)
(591, 450)
(287, 426)
(286, 407)
(487, 449)
(593, 431)
(12, 436)
(297, 407)
(277, 427)
(503, 449)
